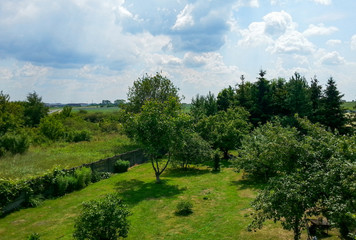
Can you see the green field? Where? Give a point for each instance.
(221, 210)
(349, 105)
(40, 159)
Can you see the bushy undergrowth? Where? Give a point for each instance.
(13, 143)
(121, 166)
(184, 208)
(53, 184)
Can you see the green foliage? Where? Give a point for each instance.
(14, 143)
(150, 88)
(66, 112)
(34, 236)
(34, 110)
(105, 219)
(268, 150)
(78, 136)
(121, 166)
(225, 130)
(203, 106)
(83, 177)
(191, 149)
(184, 208)
(226, 99)
(52, 128)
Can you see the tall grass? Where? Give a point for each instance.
(40, 159)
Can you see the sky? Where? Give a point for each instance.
(89, 50)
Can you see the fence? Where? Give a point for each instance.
(103, 165)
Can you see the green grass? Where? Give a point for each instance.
(96, 109)
(221, 210)
(349, 105)
(40, 159)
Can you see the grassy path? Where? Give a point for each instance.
(220, 205)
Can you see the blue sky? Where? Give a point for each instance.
(89, 50)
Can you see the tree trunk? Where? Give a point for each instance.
(296, 230)
(226, 155)
(158, 180)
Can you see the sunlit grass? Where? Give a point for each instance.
(40, 159)
(221, 207)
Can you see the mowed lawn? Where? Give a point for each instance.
(221, 210)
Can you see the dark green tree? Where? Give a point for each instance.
(333, 115)
(203, 106)
(150, 88)
(315, 98)
(34, 110)
(226, 99)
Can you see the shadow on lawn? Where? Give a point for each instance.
(249, 184)
(134, 191)
(185, 172)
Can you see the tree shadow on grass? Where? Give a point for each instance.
(134, 191)
(185, 172)
(249, 184)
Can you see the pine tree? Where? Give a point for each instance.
(315, 98)
(333, 113)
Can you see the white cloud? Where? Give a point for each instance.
(292, 43)
(250, 3)
(254, 35)
(277, 23)
(319, 30)
(332, 58)
(353, 42)
(184, 18)
(333, 42)
(323, 2)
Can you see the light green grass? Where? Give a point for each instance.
(221, 210)
(63, 155)
(349, 105)
(96, 109)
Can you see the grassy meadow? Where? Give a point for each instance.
(221, 207)
(39, 159)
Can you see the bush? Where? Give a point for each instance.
(83, 176)
(14, 143)
(78, 136)
(61, 185)
(184, 208)
(102, 219)
(121, 166)
(51, 128)
(34, 236)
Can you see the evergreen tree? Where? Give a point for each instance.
(333, 114)
(226, 99)
(315, 98)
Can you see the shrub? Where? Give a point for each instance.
(121, 166)
(61, 185)
(83, 177)
(51, 128)
(184, 208)
(34, 236)
(78, 136)
(18, 143)
(104, 219)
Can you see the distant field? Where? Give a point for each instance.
(96, 109)
(349, 105)
(63, 155)
(221, 208)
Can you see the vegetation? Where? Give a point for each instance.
(104, 219)
(121, 166)
(221, 207)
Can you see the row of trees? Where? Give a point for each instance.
(266, 99)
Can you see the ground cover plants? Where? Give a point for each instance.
(221, 207)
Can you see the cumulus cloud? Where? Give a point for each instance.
(319, 30)
(254, 35)
(332, 58)
(353, 42)
(333, 42)
(292, 43)
(184, 18)
(277, 23)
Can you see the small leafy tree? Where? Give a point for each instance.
(104, 219)
(191, 149)
(35, 109)
(150, 88)
(225, 130)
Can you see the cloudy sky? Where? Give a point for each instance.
(89, 50)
